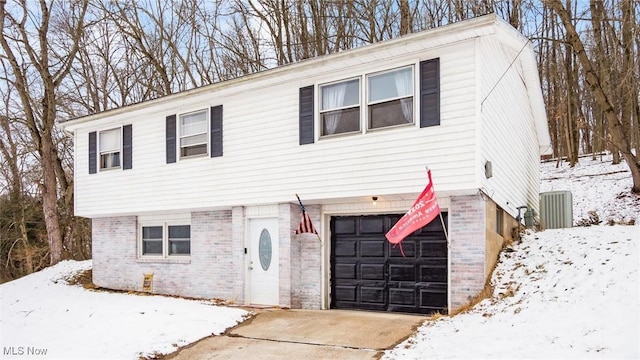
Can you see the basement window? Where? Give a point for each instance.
(165, 240)
(499, 220)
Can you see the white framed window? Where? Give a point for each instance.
(340, 107)
(179, 239)
(164, 239)
(110, 145)
(390, 98)
(194, 139)
(152, 239)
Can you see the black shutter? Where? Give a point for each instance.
(430, 92)
(127, 150)
(93, 161)
(305, 116)
(216, 131)
(171, 139)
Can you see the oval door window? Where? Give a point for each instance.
(264, 249)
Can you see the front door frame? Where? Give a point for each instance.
(250, 252)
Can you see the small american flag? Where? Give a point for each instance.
(305, 225)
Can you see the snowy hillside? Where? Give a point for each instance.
(597, 186)
(559, 294)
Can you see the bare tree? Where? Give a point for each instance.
(71, 58)
(620, 138)
(40, 43)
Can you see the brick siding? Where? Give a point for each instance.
(300, 259)
(214, 270)
(310, 260)
(216, 267)
(467, 256)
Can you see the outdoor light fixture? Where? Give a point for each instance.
(375, 199)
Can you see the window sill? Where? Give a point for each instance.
(339, 135)
(110, 168)
(195, 156)
(389, 127)
(172, 260)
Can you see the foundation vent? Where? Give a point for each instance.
(556, 210)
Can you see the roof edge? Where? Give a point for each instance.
(481, 21)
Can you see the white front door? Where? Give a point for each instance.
(263, 262)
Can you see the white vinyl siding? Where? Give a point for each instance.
(264, 163)
(508, 136)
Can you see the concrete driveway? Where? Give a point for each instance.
(306, 334)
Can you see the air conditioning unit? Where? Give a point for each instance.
(556, 210)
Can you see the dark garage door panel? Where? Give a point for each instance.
(367, 273)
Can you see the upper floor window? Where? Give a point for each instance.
(340, 107)
(193, 133)
(403, 96)
(390, 98)
(110, 148)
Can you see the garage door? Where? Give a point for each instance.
(368, 273)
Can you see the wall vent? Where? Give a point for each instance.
(556, 210)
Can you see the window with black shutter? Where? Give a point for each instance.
(127, 147)
(93, 161)
(430, 92)
(305, 115)
(216, 131)
(170, 138)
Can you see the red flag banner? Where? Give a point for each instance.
(423, 211)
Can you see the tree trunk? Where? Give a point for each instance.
(50, 193)
(37, 72)
(616, 129)
(405, 18)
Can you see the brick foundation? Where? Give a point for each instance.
(214, 269)
(467, 216)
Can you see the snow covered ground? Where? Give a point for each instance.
(559, 294)
(42, 317)
(569, 293)
(596, 185)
